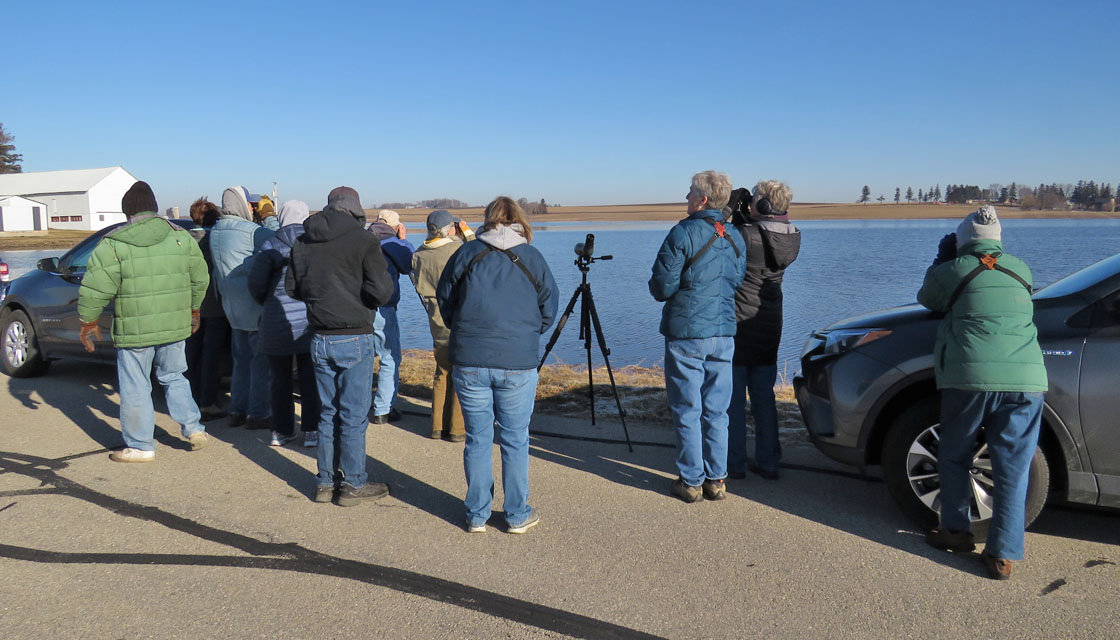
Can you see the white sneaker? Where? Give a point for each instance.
(128, 454)
(311, 439)
(279, 439)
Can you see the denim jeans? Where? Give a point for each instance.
(283, 408)
(344, 375)
(248, 390)
(506, 396)
(387, 346)
(698, 383)
(134, 373)
(758, 381)
(1011, 422)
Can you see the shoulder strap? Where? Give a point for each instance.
(509, 254)
(988, 262)
(720, 232)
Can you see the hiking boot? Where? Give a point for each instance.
(258, 423)
(279, 439)
(767, 474)
(946, 540)
(324, 493)
(436, 435)
(349, 496)
(455, 437)
(310, 439)
(530, 522)
(236, 419)
(392, 416)
(714, 489)
(476, 528)
(998, 568)
(685, 492)
(128, 454)
(198, 440)
(211, 413)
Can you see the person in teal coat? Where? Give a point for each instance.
(990, 372)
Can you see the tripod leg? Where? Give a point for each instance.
(560, 326)
(589, 302)
(585, 333)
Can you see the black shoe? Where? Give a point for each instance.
(258, 423)
(946, 540)
(392, 416)
(349, 496)
(211, 413)
(324, 494)
(236, 419)
(768, 474)
(455, 437)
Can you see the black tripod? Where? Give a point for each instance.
(589, 319)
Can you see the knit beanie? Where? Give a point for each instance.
(981, 224)
(139, 199)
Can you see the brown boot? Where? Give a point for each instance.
(998, 568)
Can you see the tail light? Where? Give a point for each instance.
(5, 275)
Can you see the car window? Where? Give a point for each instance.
(75, 260)
(1081, 280)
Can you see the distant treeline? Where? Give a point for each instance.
(1083, 195)
(531, 208)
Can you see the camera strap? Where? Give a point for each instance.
(509, 254)
(988, 262)
(720, 232)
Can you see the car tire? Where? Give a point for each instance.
(909, 459)
(19, 347)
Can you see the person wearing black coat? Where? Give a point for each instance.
(208, 350)
(773, 243)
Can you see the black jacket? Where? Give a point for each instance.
(772, 246)
(338, 270)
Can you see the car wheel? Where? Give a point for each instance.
(19, 348)
(909, 460)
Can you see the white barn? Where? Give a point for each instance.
(84, 199)
(22, 215)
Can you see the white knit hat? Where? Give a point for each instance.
(981, 224)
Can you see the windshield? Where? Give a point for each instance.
(1082, 280)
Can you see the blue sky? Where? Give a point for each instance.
(575, 102)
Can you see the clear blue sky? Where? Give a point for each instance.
(575, 102)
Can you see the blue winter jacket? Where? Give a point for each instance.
(699, 301)
(495, 314)
(398, 257)
(283, 327)
(233, 242)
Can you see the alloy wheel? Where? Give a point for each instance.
(921, 471)
(16, 344)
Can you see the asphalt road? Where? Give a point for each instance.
(226, 542)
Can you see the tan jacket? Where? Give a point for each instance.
(427, 265)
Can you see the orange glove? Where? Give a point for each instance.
(89, 331)
(196, 320)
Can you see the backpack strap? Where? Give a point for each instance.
(988, 262)
(513, 257)
(720, 232)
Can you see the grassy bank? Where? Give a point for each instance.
(562, 390)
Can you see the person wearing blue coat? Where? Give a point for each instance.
(698, 268)
(386, 331)
(284, 331)
(497, 296)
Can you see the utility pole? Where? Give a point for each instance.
(275, 202)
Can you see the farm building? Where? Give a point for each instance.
(85, 199)
(19, 214)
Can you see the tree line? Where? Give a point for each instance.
(1086, 194)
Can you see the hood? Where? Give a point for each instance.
(503, 236)
(288, 234)
(293, 212)
(330, 223)
(887, 318)
(235, 204)
(143, 231)
(381, 230)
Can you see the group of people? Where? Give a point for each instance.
(719, 273)
(319, 293)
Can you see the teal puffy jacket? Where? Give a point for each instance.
(155, 273)
(987, 341)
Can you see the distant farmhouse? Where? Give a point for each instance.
(84, 199)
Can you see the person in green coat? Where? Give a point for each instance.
(155, 274)
(989, 370)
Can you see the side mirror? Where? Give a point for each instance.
(48, 264)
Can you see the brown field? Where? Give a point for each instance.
(56, 239)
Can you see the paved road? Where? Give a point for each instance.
(225, 542)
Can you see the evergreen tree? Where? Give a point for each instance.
(909, 194)
(897, 195)
(921, 198)
(1013, 193)
(9, 159)
(865, 195)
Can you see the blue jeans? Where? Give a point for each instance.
(758, 381)
(698, 383)
(387, 346)
(134, 373)
(283, 408)
(344, 375)
(1011, 422)
(505, 395)
(248, 390)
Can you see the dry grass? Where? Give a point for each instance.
(53, 239)
(562, 390)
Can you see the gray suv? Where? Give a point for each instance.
(867, 395)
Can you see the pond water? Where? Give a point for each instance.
(845, 267)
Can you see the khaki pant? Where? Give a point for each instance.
(447, 416)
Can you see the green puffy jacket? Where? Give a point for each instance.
(987, 341)
(156, 274)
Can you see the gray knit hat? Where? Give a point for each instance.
(981, 224)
